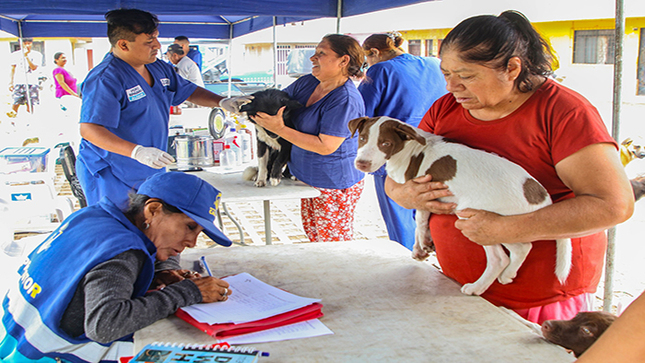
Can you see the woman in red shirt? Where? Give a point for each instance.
(500, 100)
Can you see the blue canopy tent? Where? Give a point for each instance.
(193, 18)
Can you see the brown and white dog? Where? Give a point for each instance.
(478, 180)
(579, 333)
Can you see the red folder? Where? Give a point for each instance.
(218, 331)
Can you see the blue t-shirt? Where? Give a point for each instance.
(328, 116)
(117, 97)
(403, 87)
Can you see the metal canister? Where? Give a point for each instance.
(193, 151)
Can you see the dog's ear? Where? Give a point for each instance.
(293, 105)
(357, 124)
(409, 133)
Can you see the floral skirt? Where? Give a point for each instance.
(330, 216)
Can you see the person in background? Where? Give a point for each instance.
(193, 54)
(401, 86)
(23, 80)
(323, 149)
(125, 109)
(184, 65)
(64, 81)
(502, 101)
(85, 290)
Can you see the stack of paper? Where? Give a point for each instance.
(254, 306)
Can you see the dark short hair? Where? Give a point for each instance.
(182, 38)
(138, 202)
(57, 55)
(176, 49)
(128, 23)
(493, 40)
(346, 45)
(27, 40)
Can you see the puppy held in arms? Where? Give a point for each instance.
(477, 179)
(273, 151)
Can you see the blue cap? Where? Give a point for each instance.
(190, 194)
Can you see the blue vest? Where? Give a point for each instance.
(49, 278)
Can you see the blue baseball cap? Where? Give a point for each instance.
(190, 194)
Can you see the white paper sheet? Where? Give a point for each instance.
(304, 329)
(251, 300)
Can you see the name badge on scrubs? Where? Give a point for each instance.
(135, 93)
(165, 82)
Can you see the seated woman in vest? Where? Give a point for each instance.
(84, 291)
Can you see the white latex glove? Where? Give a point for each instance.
(151, 156)
(233, 104)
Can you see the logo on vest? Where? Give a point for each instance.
(165, 82)
(29, 285)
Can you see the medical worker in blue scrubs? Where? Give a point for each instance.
(126, 109)
(84, 291)
(404, 87)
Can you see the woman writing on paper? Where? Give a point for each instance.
(84, 291)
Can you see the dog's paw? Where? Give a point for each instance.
(420, 253)
(274, 181)
(506, 277)
(472, 289)
(423, 246)
(260, 183)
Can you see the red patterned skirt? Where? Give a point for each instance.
(330, 216)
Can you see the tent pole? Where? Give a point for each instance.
(615, 133)
(229, 62)
(275, 56)
(339, 14)
(22, 49)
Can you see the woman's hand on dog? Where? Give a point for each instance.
(486, 228)
(273, 123)
(420, 193)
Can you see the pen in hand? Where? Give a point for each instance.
(208, 270)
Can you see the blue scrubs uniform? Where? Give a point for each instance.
(117, 97)
(196, 56)
(328, 116)
(403, 88)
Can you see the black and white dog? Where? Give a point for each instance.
(273, 151)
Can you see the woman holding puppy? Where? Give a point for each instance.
(401, 86)
(501, 100)
(323, 150)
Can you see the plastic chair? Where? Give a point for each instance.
(68, 162)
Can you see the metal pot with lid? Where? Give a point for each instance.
(193, 151)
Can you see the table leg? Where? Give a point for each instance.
(267, 221)
(236, 223)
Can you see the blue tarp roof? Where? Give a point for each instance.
(193, 18)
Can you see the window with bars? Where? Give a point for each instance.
(641, 64)
(594, 46)
(414, 46)
(283, 55)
